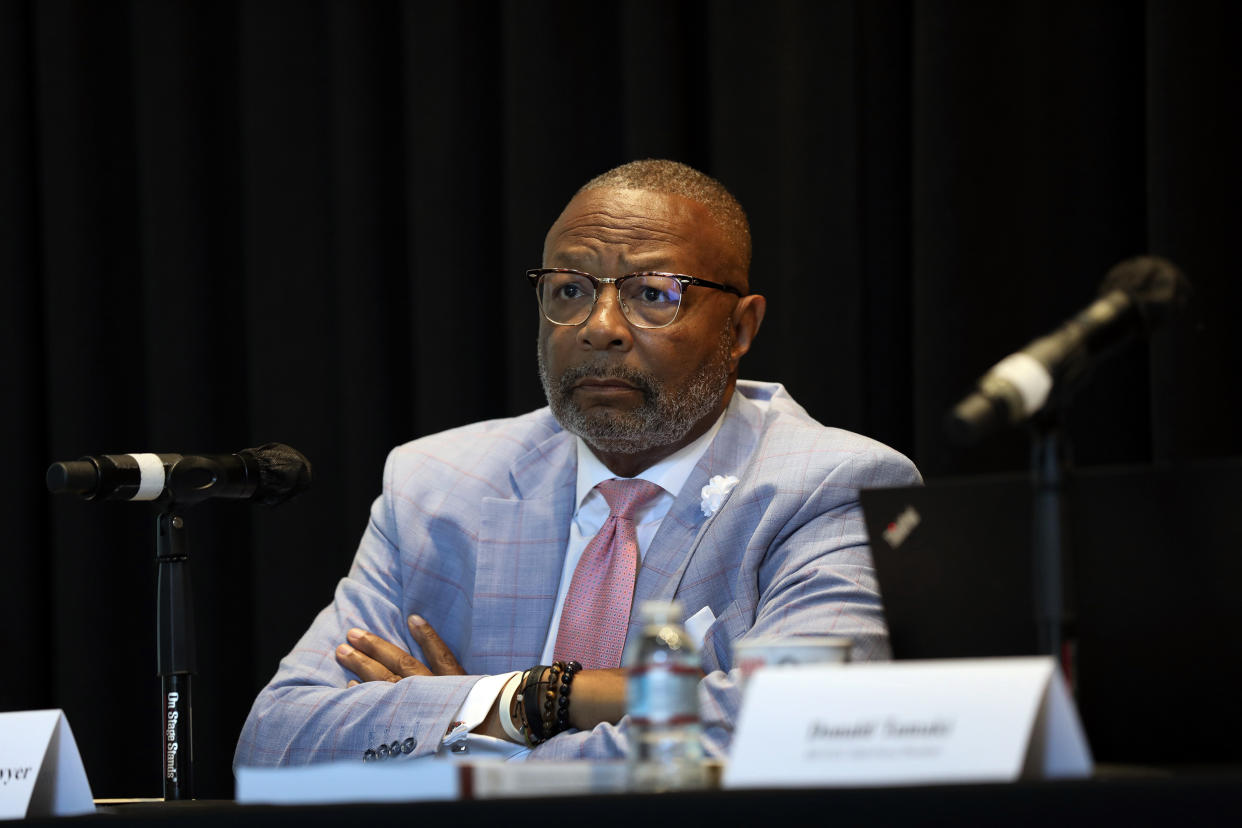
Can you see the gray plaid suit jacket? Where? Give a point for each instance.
(471, 530)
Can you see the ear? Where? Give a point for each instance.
(746, 319)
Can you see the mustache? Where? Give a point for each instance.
(639, 379)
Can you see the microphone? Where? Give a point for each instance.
(269, 474)
(1136, 297)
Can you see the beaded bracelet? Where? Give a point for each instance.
(556, 698)
(548, 698)
(567, 678)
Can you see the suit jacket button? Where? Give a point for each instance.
(409, 744)
(382, 751)
(369, 755)
(394, 749)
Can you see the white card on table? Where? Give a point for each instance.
(910, 722)
(41, 772)
(407, 780)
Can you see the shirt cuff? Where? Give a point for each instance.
(476, 706)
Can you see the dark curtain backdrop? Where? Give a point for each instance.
(223, 223)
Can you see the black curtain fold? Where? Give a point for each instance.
(223, 223)
(1046, 188)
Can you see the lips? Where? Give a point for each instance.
(603, 384)
(604, 381)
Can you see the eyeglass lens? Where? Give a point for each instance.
(647, 301)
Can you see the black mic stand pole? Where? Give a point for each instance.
(175, 645)
(1052, 620)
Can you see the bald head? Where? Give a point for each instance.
(674, 178)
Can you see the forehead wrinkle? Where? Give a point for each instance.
(627, 230)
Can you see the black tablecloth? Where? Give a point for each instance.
(1184, 797)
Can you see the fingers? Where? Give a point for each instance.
(363, 666)
(439, 657)
(371, 658)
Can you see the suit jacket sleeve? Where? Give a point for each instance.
(307, 714)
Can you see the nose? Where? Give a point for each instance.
(606, 328)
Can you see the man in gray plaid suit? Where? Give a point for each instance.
(460, 580)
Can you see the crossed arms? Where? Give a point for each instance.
(599, 695)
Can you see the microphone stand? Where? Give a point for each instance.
(176, 658)
(271, 473)
(1052, 619)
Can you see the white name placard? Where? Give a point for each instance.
(412, 780)
(910, 722)
(41, 773)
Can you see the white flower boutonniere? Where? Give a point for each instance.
(715, 492)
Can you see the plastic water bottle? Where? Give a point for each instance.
(663, 703)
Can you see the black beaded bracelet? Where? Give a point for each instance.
(547, 701)
(556, 698)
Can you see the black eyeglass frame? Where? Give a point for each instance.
(537, 273)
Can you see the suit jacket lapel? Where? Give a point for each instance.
(521, 551)
(676, 542)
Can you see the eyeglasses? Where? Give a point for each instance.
(649, 299)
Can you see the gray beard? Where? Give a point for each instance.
(664, 417)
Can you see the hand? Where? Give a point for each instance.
(372, 658)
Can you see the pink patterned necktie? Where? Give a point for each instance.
(596, 614)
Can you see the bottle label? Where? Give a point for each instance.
(663, 694)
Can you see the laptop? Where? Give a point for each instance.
(1153, 560)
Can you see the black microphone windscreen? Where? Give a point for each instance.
(1156, 286)
(284, 472)
(73, 476)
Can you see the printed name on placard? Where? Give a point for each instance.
(876, 738)
(890, 728)
(8, 775)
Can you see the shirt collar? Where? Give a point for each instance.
(670, 474)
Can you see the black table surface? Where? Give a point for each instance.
(1115, 796)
